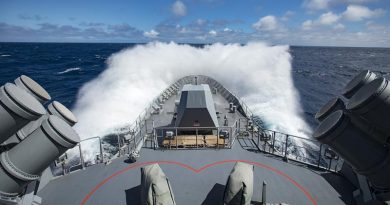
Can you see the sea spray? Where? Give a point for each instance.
(260, 74)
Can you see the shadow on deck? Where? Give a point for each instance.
(133, 195)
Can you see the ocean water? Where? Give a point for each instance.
(67, 71)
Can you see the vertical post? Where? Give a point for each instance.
(239, 125)
(265, 140)
(319, 156)
(264, 194)
(176, 138)
(217, 138)
(252, 129)
(196, 138)
(175, 134)
(134, 143)
(285, 149)
(81, 157)
(146, 127)
(273, 142)
(231, 141)
(128, 148)
(101, 151)
(141, 135)
(154, 136)
(330, 163)
(119, 145)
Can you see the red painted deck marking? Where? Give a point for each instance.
(285, 176)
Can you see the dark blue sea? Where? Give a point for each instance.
(319, 73)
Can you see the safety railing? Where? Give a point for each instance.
(289, 147)
(211, 137)
(299, 149)
(292, 147)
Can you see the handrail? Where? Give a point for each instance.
(135, 128)
(231, 137)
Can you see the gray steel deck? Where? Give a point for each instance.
(189, 187)
(199, 176)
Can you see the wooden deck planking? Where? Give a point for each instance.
(192, 141)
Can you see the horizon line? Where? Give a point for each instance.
(189, 43)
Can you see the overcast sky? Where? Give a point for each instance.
(294, 22)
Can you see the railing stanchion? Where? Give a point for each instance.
(217, 138)
(319, 156)
(273, 142)
(81, 157)
(285, 149)
(176, 140)
(258, 138)
(119, 145)
(196, 138)
(231, 141)
(101, 151)
(239, 125)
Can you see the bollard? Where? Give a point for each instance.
(264, 193)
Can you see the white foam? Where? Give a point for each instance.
(259, 73)
(69, 70)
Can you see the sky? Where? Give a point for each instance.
(357, 23)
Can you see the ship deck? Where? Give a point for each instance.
(198, 176)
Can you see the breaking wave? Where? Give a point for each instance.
(260, 74)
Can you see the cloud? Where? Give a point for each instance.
(269, 28)
(325, 19)
(202, 31)
(371, 36)
(151, 34)
(179, 9)
(316, 4)
(328, 18)
(313, 5)
(287, 15)
(307, 25)
(201, 22)
(31, 17)
(92, 24)
(227, 29)
(214, 24)
(352, 13)
(266, 23)
(48, 32)
(198, 31)
(358, 13)
(213, 33)
(339, 26)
